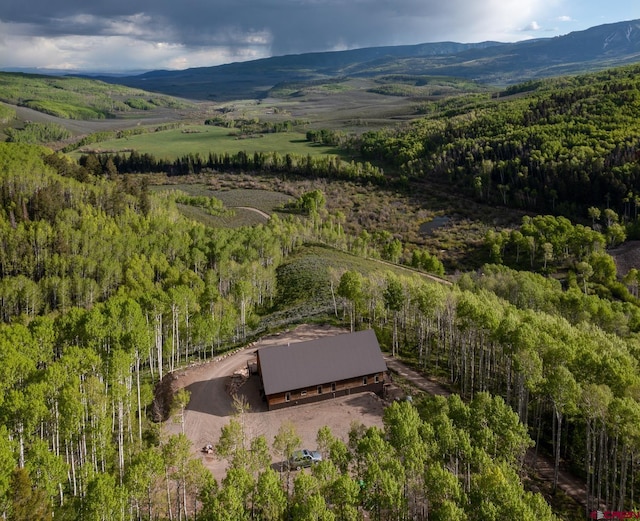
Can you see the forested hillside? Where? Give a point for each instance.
(94, 275)
(106, 287)
(560, 145)
(77, 98)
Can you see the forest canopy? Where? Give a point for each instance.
(106, 287)
(559, 145)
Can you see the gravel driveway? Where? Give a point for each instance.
(211, 405)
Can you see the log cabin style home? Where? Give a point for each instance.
(320, 369)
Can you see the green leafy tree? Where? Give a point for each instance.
(47, 469)
(444, 493)
(497, 494)
(199, 484)
(345, 498)
(235, 494)
(615, 234)
(7, 466)
(286, 441)
(563, 391)
(584, 270)
(312, 202)
(181, 400)
(350, 289)
(394, 300)
(334, 449)
(142, 479)
(595, 214)
(307, 502)
(177, 454)
(103, 499)
(270, 502)
(392, 250)
(232, 444)
(383, 474)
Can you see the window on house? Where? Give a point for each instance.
(364, 380)
(287, 397)
(319, 389)
(376, 379)
(333, 387)
(303, 393)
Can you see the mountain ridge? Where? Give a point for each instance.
(489, 62)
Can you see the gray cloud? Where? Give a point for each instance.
(168, 33)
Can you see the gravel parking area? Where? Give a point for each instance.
(211, 405)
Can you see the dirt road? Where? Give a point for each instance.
(262, 214)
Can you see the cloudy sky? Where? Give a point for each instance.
(125, 35)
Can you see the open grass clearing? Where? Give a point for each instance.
(349, 106)
(202, 139)
(311, 268)
(80, 127)
(352, 109)
(237, 218)
(457, 242)
(264, 200)
(248, 205)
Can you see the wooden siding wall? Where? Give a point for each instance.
(342, 388)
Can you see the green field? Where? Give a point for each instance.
(79, 98)
(202, 139)
(243, 202)
(264, 200)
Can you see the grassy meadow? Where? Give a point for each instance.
(202, 139)
(79, 98)
(313, 267)
(236, 218)
(245, 204)
(264, 200)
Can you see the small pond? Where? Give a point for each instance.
(438, 221)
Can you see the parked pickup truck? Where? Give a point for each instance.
(304, 458)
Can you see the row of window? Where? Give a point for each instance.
(365, 381)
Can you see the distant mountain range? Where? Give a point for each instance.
(494, 63)
(42, 71)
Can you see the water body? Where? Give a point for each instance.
(437, 222)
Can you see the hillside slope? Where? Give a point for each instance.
(492, 62)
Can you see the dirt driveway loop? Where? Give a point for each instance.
(211, 405)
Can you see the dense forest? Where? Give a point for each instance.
(105, 288)
(559, 145)
(330, 167)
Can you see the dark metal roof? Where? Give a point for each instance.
(321, 361)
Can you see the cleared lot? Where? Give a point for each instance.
(211, 405)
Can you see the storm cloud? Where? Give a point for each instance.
(144, 34)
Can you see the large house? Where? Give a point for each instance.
(323, 368)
